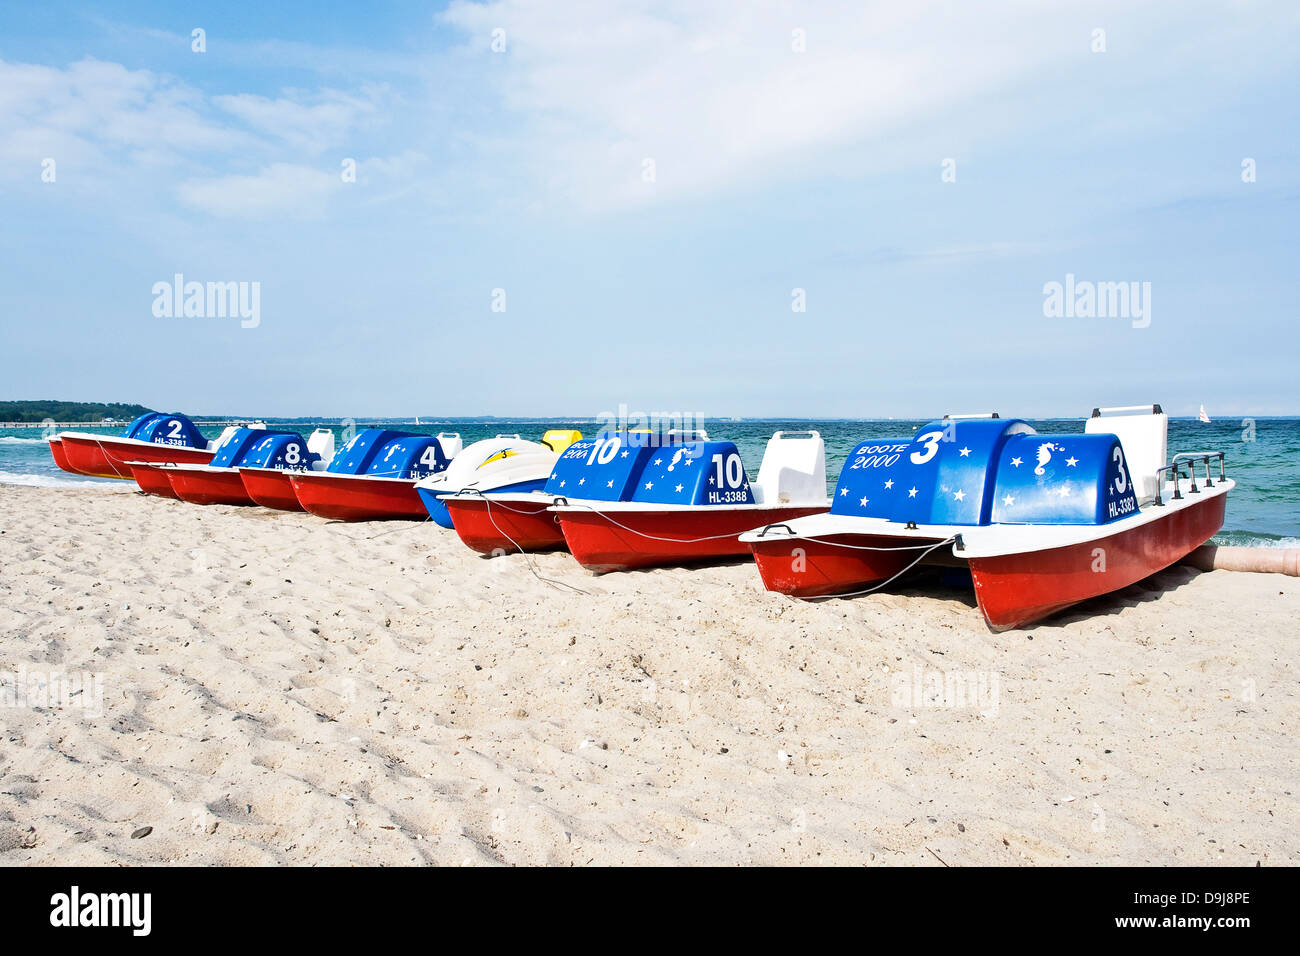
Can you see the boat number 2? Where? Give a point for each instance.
(1121, 482)
(175, 429)
(734, 470)
(931, 440)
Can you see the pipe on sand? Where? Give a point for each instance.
(1212, 557)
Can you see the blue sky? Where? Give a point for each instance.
(774, 169)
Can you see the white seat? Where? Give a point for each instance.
(451, 443)
(321, 442)
(1143, 433)
(793, 470)
(221, 439)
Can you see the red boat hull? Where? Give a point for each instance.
(643, 539)
(223, 487)
(358, 498)
(107, 457)
(1017, 589)
(271, 488)
(153, 480)
(803, 568)
(504, 527)
(60, 457)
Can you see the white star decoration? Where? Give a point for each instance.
(862, 503)
(1016, 461)
(711, 481)
(843, 492)
(889, 484)
(959, 495)
(1065, 491)
(649, 485)
(610, 483)
(965, 453)
(624, 455)
(1071, 461)
(1009, 500)
(582, 481)
(690, 461)
(679, 489)
(561, 484)
(911, 493)
(659, 461)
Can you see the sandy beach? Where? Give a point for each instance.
(262, 687)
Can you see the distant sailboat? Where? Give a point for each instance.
(417, 417)
(1204, 417)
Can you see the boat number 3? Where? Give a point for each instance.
(931, 440)
(1121, 482)
(603, 452)
(734, 470)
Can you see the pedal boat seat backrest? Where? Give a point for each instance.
(321, 443)
(793, 470)
(1143, 433)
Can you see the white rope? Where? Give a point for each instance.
(528, 558)
(108, 459)
(889, 580)
(868, 547)
(643, 534)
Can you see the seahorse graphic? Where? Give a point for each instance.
(1044, 455)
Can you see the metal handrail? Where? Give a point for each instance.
(958, 418)
(1190, 459)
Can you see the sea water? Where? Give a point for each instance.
(1263, 510)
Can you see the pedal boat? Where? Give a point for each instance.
(267, 472)
(373, 476)
(506, 464)
(623, 504)
(219, 482)
(1042, 522)
(151, 437)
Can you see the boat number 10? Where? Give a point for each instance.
(732, 472)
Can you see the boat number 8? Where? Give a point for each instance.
(931, 440)
(292, 454)
(1121, 483)
(735, 471)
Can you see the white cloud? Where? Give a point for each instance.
(91, 108)
(716, 94)
(281, 189)
(718, 97)
(311, 122)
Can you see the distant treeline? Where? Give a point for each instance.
(69, 411)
